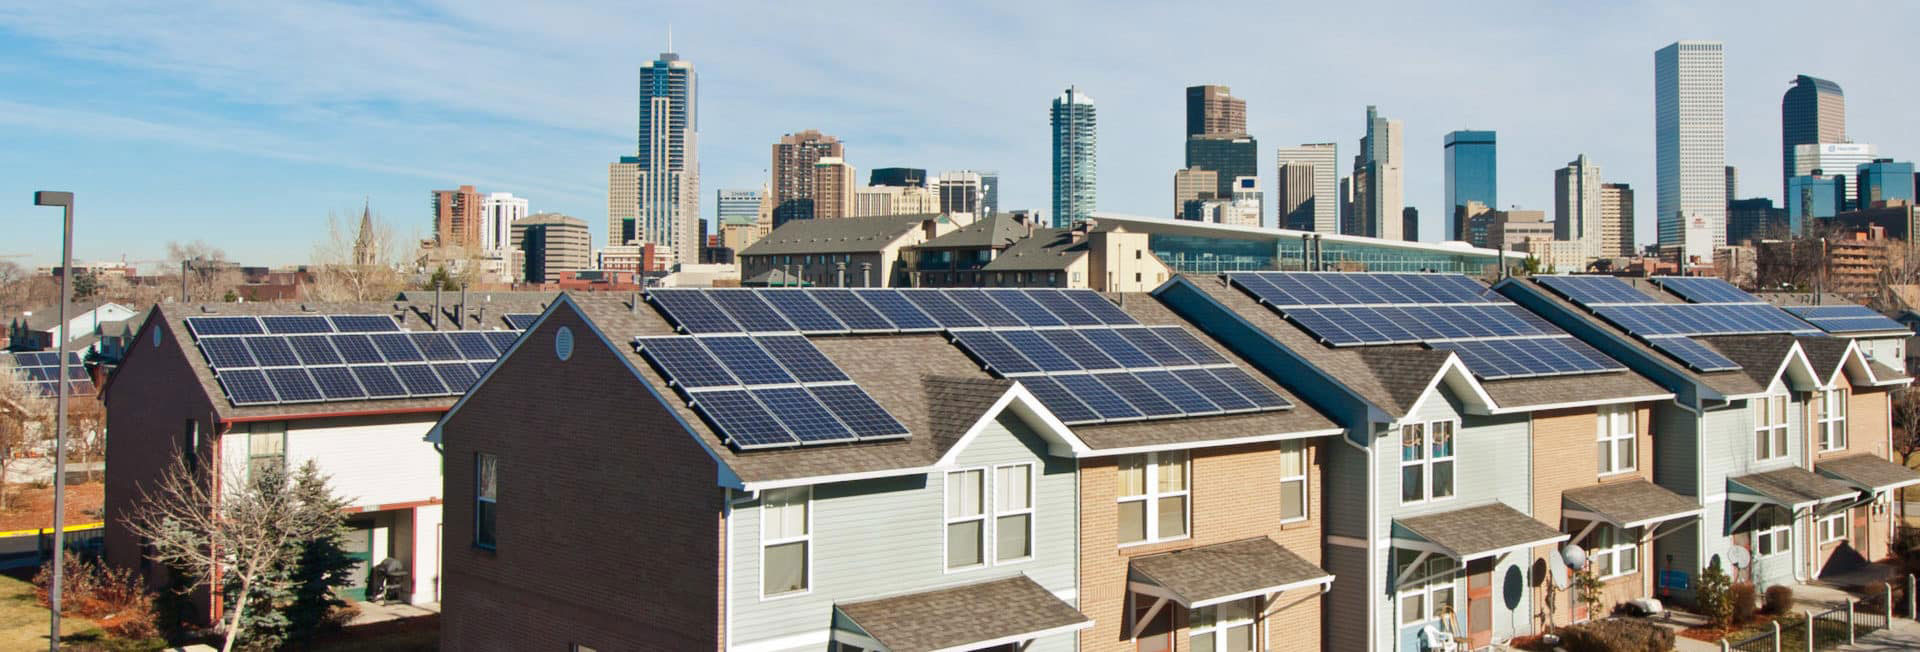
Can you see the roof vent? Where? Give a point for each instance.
(206, 308)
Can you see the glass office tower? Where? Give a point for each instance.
(1470, 177)
(1073, 157)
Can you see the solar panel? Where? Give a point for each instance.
(802, 311)
(1704, 289)
(802, 358)
(1523, 357)
(272, 351)
(314, 350)
(204, 326)
(853, 407)
(1024, 307)
(227, 352)
(1188, 345)
(747, 310)
(692, 311)
(685, 362)
(1654, 320)
(480, 368)
(1114, 345)
(420, 380)
(1098, 397)
(1251, 389)
(1150, 344)
(296, 324)
(503, 340)
(850, 310)
(458, 376)
(396, 347)
(363, 323)
(293, 385)
(897, 309)
(1305, 289)
(75, 372)
(337, 383)
(1038, 350)
(1066, 309)
(741, 420)
(473, 345)
(1137, 393)
(1845, 318)
(803, 415)
(379, 381)
(1059, 401)
(984, 308)
(437, 346)
(247, 387)
(1594, 290)
(942, 309)
(355, 349)
(1693, 354)
(1204, 382)
(80, 388)
(1183, 397)
(994, 352)
(521, 320)
(1100, 307)
(744, 359)
(1083, 353)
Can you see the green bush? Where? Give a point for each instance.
(1711, 595)
(1616, 635)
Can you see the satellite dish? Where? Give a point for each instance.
(1557, 569)
(1739, 557)
(1575, 556)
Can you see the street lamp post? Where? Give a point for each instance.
(65, 201)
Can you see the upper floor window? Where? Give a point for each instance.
(1293, 480)
(486, 498)
(1225, 627)
(1831, 415)
(966, 518)
(971, 527)
(1426, 461)
(266, 447)
(1770, 427)
(1012, 512)
(786, 538)
(1153, 497)
(1618, 425)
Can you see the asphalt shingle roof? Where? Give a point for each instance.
(1794, 486)
(1731, 383)
(836, 235)
(1048, 249)
(1199, 575)
(1630, 502)
(997, 230)
(963, 615)
(1867, 470)
(1473, 531)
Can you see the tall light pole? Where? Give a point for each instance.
(65, 201)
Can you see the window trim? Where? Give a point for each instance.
(1152, 496)
(1218, 629)
(1614, 553)
(1610, 435)
(1839, 533)
(1306, 495)
(1832, 428)
(948, 520)
(1031, 511)
(1772, 536)
(1425, 586)
(806, 539)
(1766, 432)
(1428, 460)
(479, 460)
(253, 431)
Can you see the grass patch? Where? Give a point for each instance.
(23, 622)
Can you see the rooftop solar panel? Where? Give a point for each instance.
(1162, 353)
(1188, 345)
(994, 352)
(204, 326)
(1063, 307)
(1100, 307)
(742, 420)
(314, 350)
(355, 348)
(1250, 389)
(396, 347)
(942, 309)
(293, 385)
(984, 308)
(1083, 352)
(1594, 290)
(1098, 397)
(80, 388)
(227, 352)
(749, 311)
(272, 351)
(802, 311)
(437, 346)
(850, 310)
(1113, 344)
(1038, 350)
(1845, 318)
(684, 362)
(363, 323)
(247, 387)
(803, 415)
(897, 309)
(1136, 393)
(692, 311)
(1024, 307)
(802, 358)
(337, 383)
(296, 324)
(420, 380)
(457, 375)
(379, 381)
(746, 361)
(474, 345)
(1704, 289)
(1203, 381)
(853, 407)
(1693, 354)
(1183, 396)
(1059, 400)
(503, 340)
(521, 320)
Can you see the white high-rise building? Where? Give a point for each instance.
(1309, 187)
(1834, 159)
(1576, 206)
(1074, 137)
(498, 211)
(1690, 143)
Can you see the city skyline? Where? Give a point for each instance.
(239, 134)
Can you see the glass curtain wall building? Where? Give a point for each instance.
(1471, 176)
(1201, 248)
(1073, 157)
(1813, 111)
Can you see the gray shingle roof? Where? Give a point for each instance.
(1826, 354)
(963, 615)
(1207, 573)
(1474, 531)
(1630, 503)
(1792, 486)
(1868, 471)
(836, 235)
(1759, 356)
(997, 230)
(1048, 249)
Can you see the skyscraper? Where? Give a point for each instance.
(736, 207)
(793, 159)
(1471, 176)
(1690, 143)
(1074, 167)
(1616, 219)
(832, 187)
(1378, 181)
(623, 201)
(1193, 185)
(1309, 187)
(1230, 157)
(1576, 205)
(456, 217)
(1835, 160)
(669, 157)
(961, 191)
(1814, 110)
(1882, 180)
(1754, 219)
(498, 211)
(1212, 110)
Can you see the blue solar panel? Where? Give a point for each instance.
(994, 352)
(503, 340)
(1113, 344)
(337, 383)
(1143, 398)
(355, 349)
(1063, 307)
(741, 420)
(1303, 289)
(1188, 345)
(1100, 307)
(1203, 381)
(473, 345)
(1693, 354)
(1704, 289)
(1594, 290)
(1081, 351)
(745, 360)
(204, 326)
(1250, 389)
(247, 387)
(685, 362)
(296, 324)
(420, 380)
(436, 346)
(1183, 397)
(314, 350)
(1163, 354)
(1024, 307)
(227, 352)
(1495, 359)
(1845, 318)
(272, 351)
(522, 320)
(1038, 350)
(1653, 320)
(1059, 401)
(379, 381)
(898, 310)
(457, 375)
(942, 309)
(802, 311)
(293, 385)
(396, 347)
(858, 411)
(802, 358)
(693, 311)
(803, 415)
(480, 368)
(850, 310)
(747, 310)
(363, 323)
(75, 372)
(1098, 397)
(984, 308)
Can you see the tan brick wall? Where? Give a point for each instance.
(1566, 456)
(1235, 495)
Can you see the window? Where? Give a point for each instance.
(266, 447)
(1772, 531)
(1153, 497)
(1832, 527)
(486, 498)
(1013, 512)
(966, 519)
(1619, 424)
(786, 535)
(1293, 480)
(1428, 592)
(190, 446)
(1615, 552)
(1770, 427)
(1053, 278)
(1426, 461)
(1831, 410)
(1225, 627)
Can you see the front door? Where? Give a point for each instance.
(358, 545)
(1479, 603)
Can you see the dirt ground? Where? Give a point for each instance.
(30, 507)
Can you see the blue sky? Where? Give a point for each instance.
(245, 124)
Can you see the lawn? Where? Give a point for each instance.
(23, 622)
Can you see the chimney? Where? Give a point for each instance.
(866, 275)
(1306, 252)
(635, 306)
(840, 274)
(434, 319)
(460, 314)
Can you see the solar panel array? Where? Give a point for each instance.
(280, 359)
(1495, 338)
(1704, 289)
(1844, 318)
(40, 370)
(825, 311)
(1716, 308)
(769, 391)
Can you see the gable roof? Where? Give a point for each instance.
(49, 317)
(1047, 250)
(997, 230)
(837, 235)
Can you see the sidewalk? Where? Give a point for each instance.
(1904, 635)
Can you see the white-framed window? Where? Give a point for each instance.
(1293, 480)
(1618, 444)
(1614, 552)
(1428, 592)
(1831, 419)
(1426, 461)
(1832, 527)
(786, 540)
(1770, 427)
(486, 498)
(267, 446)
(1153, 497)
(1012, 513)
(1772, 532)
(1225, 627)
(966, 518)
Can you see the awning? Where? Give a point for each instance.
(1792, 487)
(967, 617)
(1868, 472)
(1471, 533)
(1626, 505)
(1223, 572)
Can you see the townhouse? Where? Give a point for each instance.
(880, 469)
(1478, 441)
(224, 389)
(1779, 426)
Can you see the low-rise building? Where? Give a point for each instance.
(1010, 251)
(843, 252)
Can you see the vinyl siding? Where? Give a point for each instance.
(369, 462)
(1346, 490)
(1345, 619)
(1675, 451)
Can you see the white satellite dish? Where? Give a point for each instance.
(1739, 557)
(1574, 556)
(1557, 568)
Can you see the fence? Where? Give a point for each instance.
(32, 548)
(1834, 627)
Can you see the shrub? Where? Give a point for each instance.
(1711, 596)
(1742, 596)
(1616, 635)
(113, 597)
(1779, 599)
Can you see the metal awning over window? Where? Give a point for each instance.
(1868, 472)
(967, 617)
(1223, 572)
(1489, 530)
(1627, 505)
(1793, 487)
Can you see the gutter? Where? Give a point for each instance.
(329, 415)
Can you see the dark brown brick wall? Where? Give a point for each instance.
(609, 518)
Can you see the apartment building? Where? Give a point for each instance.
(1010, 251)
(845, 252)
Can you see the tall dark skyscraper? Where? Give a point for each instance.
(1217, 137)
(1471, 176)
(1813, 111)
(1212, 110)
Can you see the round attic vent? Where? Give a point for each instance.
(563, 343)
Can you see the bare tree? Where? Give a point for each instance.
(86, 431)
(355, 263)
(26, 418)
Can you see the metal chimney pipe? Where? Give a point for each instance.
(1306, 251)
(840, 274)
(434, 319)
(866, 275)
(635, 306)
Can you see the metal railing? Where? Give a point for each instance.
(1842, 625)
